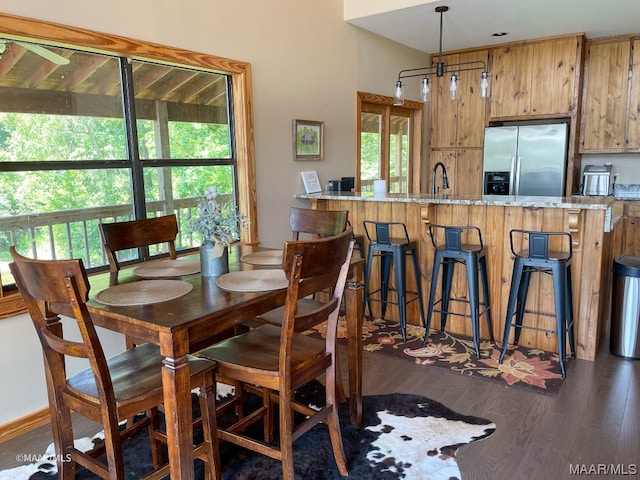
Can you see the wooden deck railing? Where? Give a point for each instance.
(43, 231)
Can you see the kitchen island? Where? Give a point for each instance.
(588, 220)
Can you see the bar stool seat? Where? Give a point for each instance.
(473, 256)
(557, 263)
(390, 243)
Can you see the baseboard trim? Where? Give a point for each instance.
(24, 424)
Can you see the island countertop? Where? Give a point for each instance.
(588, 220)
(580, 202)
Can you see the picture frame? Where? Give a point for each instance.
(308, 140)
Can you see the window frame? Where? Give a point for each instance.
(241, 98)
(372, 101)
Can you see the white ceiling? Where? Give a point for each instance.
(470, 23)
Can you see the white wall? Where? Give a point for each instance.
(307, 63)
(21, 368)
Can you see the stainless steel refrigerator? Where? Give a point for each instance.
(525, 160)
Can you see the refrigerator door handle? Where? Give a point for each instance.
(513, 176)
(518, 163)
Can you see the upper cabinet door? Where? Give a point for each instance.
(535, 79)
(442, 110)
(511, 75)
(633, 129)
(554, 72)
(605, 101)
(471, 106)
(460, 122)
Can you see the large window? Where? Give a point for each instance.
(88, 136)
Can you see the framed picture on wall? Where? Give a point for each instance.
(308, 140)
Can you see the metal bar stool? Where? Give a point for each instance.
(538, 258)
(389, 241)
(471, 255)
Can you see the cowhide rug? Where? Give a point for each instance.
(402, 437)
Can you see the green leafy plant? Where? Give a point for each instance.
(215, 222)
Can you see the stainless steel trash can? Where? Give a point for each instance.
(625, 307)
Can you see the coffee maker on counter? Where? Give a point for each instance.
(343, 185)
(597, 180)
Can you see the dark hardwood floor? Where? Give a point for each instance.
(593, 422)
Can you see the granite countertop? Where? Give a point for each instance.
(591, 203)
(627, 191)
(578, 201)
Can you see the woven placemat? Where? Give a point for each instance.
(143, 292)
(168, 268)
(267, 257)
(253, 280)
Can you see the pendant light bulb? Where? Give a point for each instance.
(453, 88)
(424, 94)
(484, 85)
(398, 98)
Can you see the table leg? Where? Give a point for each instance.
(354, 294)
(176, 384)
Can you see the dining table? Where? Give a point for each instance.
(203, 316)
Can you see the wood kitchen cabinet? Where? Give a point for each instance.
(606, 97)
(538, 79)
(511, 80)
(457, 127)
(458, 123)
(633, 118)
(626, 240)
(464, 170)
(535, 78)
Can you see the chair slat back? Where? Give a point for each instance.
(321, 223)
(118, 236)
(314, 266)
(51, 288)
(386, 233)
(541, 245)
(454, 237)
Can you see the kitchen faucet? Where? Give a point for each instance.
(445, 180)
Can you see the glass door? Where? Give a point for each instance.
(370, 147)
(398, 171)
(389, 144)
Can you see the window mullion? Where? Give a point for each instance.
(131, 133)
(133, 152)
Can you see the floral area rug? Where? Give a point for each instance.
(523, 367)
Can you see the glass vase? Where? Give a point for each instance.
(214, 259)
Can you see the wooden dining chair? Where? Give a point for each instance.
(308, 223)
(110, 389)
(311, 223)
(119, 236)
(279, 360)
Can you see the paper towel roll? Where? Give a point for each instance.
(379, 186)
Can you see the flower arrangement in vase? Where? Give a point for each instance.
(219, 226)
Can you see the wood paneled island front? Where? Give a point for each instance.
(588, 220)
